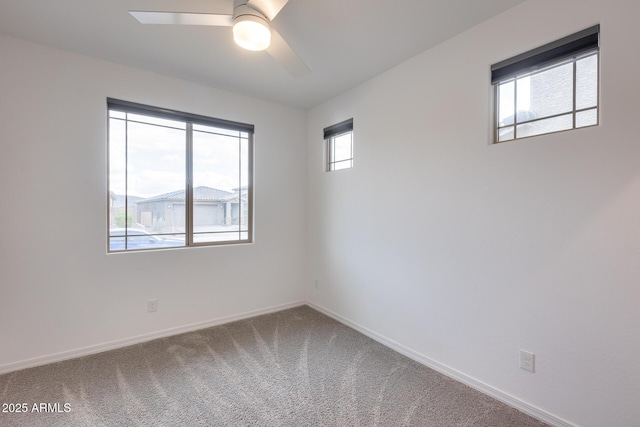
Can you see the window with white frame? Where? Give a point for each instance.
(176, 179)
(549, 89)
(339, 145)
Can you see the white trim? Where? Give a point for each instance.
(98, 348)
(497, 394)
(482, 387)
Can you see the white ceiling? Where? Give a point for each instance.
(344, 42)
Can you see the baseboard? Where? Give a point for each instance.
(497, 394)
(482, 387)
(112, 345)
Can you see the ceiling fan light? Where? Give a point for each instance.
(251, 32)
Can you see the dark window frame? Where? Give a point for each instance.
(189, 120)
(330, 135)
(570, 49)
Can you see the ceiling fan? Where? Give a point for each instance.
(252, 30)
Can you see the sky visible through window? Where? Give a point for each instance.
(156, 157)
(148, 172)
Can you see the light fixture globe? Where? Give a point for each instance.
(251, 32)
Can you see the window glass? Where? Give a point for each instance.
(587, 118)
(152, 162)
(339, 145)
(587, 82)
(545, 100)
(546, 93)
(506, 103)
(539, 127)
(217, 192)
(551, 88)
(340, 152)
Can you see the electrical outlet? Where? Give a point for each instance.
(152, 305)
(316, 283)
(527, 361)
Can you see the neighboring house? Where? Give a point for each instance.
(212, 207)
(118, 203)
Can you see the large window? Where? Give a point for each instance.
(177, 179)
(550, 89)
(339, 140)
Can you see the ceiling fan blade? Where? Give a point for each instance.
(282, 52)
(181, 18)
(269, 8)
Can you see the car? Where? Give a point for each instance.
(121, 239)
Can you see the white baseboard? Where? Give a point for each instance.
(112, 345)
(497, 394)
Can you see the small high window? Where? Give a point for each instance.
(549, 89)
(339, 140)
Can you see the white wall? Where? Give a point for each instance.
(59, 289)
(459, 251)
(464, 252)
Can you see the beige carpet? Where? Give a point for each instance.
(292, 368)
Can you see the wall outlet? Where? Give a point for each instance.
(527, 361)
(316, 283)
(152, 305)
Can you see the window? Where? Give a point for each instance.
(177, 179)
(549, 89)
(339, 140)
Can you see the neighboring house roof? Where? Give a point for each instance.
(200, 194)
(117, 200)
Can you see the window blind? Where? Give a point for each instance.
(565, 48)
(162, 113)
(338, 129)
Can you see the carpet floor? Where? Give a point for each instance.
(296, 367)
